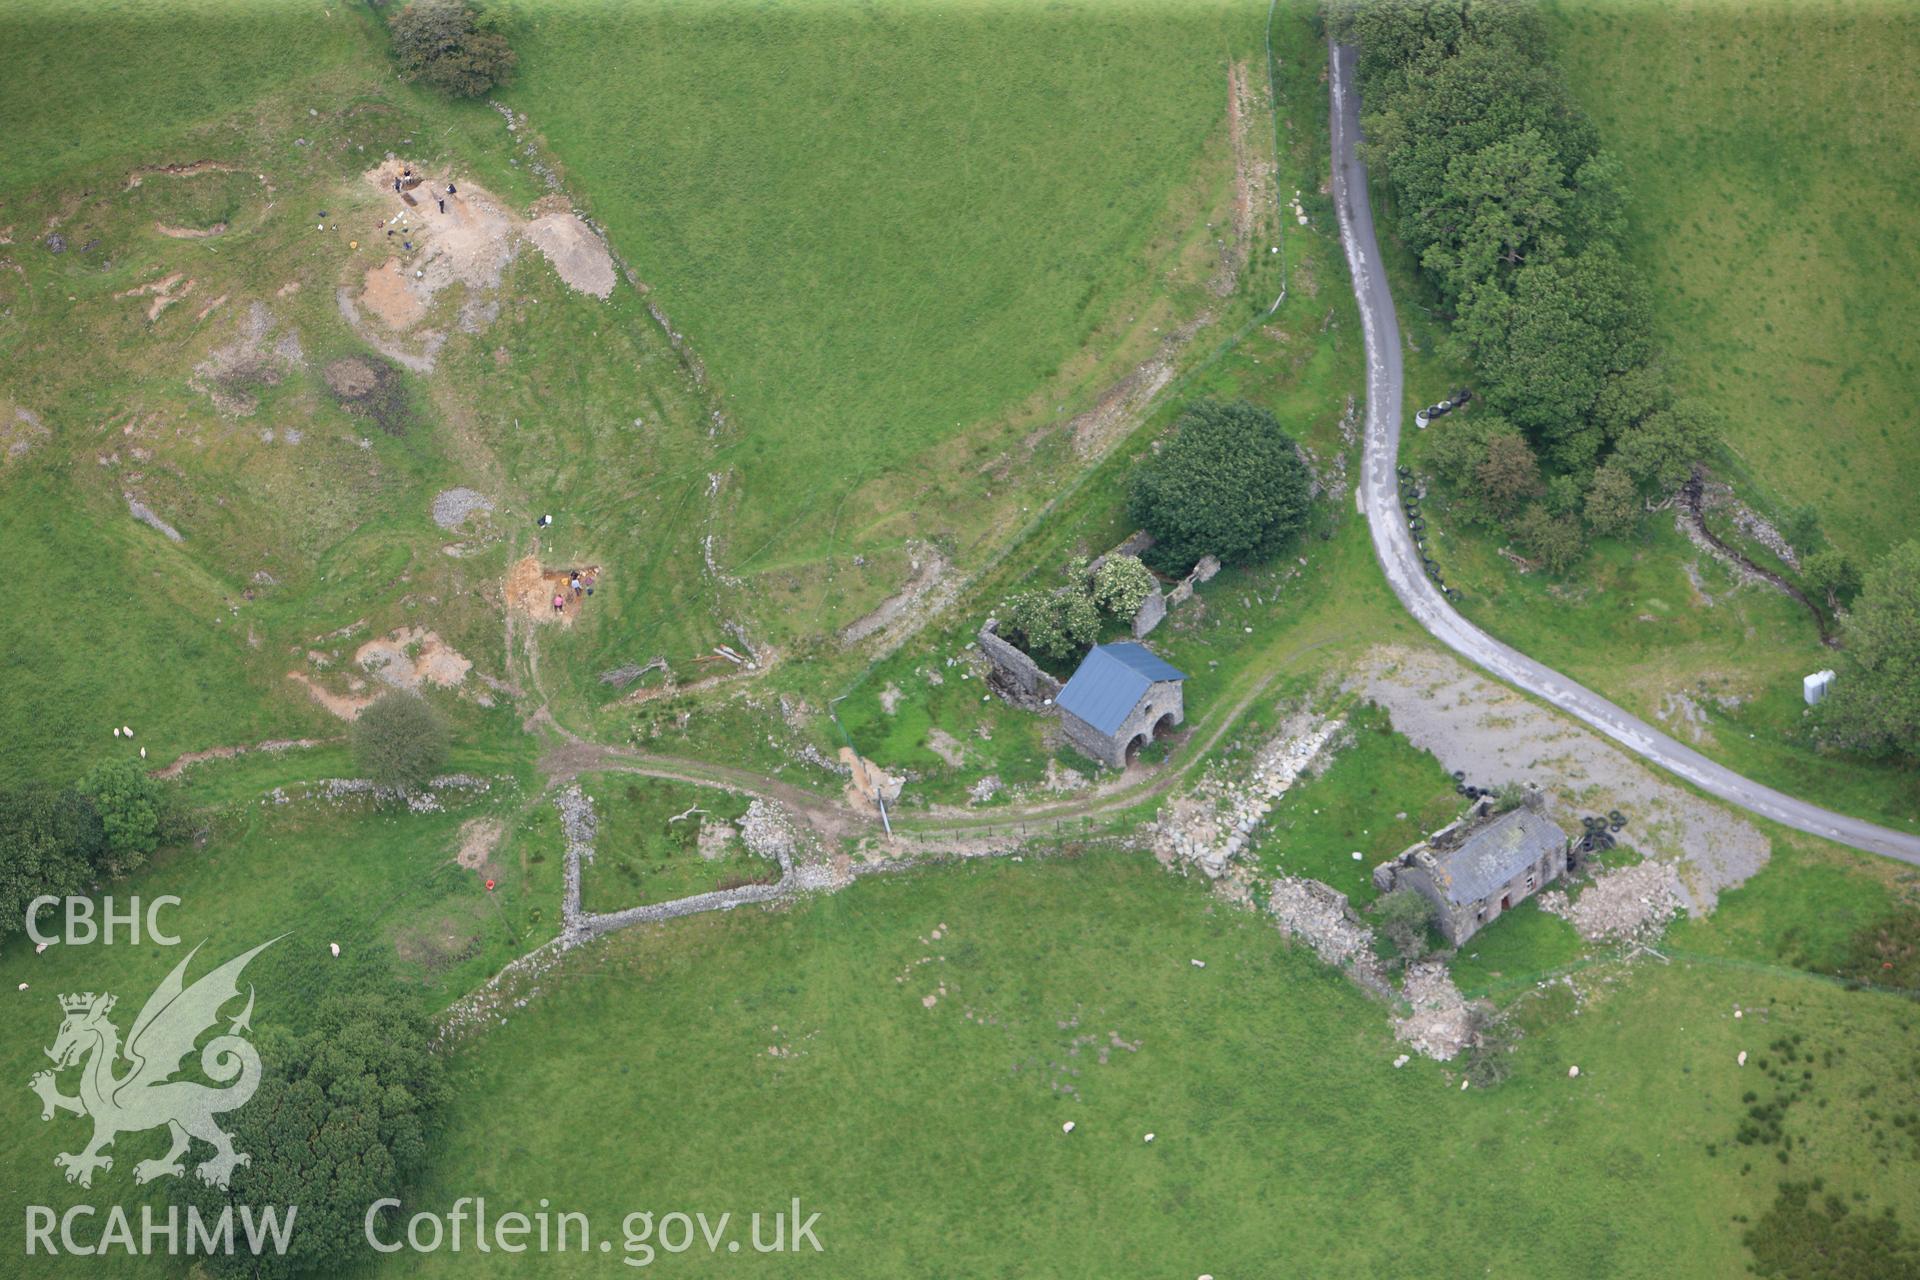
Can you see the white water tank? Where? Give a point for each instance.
(1814, 687)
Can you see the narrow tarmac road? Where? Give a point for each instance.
(1400, 559)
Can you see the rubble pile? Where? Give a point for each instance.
(1626, 903)
(1210, 828)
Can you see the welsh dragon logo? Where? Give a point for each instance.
(146, 1096)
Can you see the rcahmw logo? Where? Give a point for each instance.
(170, 1234)
(146, 1096)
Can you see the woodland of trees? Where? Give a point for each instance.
(1500, 187)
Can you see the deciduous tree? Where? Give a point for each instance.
(1556, 541)
(452, 45)
(1230, 483)
(340, 1121)
(1405, 916)
(1057, 623)
(1830, 573)
(51, 842)
(1122, 585)
(1508, 475)
(400, 741)
(129, 804)
(1660, 453)
(1875, 703)
(1613, 506)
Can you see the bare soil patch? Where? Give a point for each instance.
(435, 945)
(391, 297)
(137, 176)
(929, 588)
(578, 254)
(530, 589)
(20, 431)
(716, 840)
(403, 659)
(371, 388)
(1122, 406)
(410, 657)
(232, 376)
(191, 233)
(478, 839)
(164, 293)
(437, 239)
(191, 758)
(1253, 175)
(347, 706)
(866, 781)
(946, 746)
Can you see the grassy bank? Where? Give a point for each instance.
(1772, 151)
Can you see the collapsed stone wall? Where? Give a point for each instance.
(1015, 676)
(1152, 611)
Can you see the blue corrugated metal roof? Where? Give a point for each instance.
(1110, 681)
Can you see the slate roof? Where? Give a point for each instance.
(1110, 682)
(1496, 853)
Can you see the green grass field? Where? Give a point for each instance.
(96, 82)
(884, 228)
(381, 883)
(1773, 151)
(902, 245)
(640, 854)
(1377, 796)
(729, 1064)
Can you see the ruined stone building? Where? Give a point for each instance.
(1481, 865)
(1012, 674)
(1121, 697)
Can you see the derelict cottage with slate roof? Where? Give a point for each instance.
(1120, 698)
(1481, 865)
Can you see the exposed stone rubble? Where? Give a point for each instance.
(451, 507)
(579, 824)
(1625, 903)
(145, 515)
(1437, 1024)
(767, 831)
(1210, 827)
(427, 799)
(1319, 916)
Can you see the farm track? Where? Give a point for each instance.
(922, 841)
(1400, 559)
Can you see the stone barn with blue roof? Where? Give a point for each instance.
(1120, 698)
